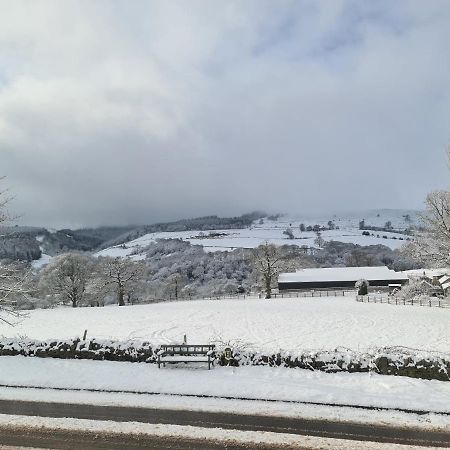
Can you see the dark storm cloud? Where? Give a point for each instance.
(162, 110)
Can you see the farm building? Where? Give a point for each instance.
(431, 275)
(444, 283)
(339, 277)
(437, 280)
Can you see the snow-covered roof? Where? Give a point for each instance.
(341, 274)
(430, 273)
(445, 285)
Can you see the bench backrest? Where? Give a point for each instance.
(185, 349)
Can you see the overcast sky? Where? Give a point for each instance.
(119, 112)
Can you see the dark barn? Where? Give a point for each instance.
(339, 277)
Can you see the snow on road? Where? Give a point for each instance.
(228, 437)
(295, 325)
(214, 404)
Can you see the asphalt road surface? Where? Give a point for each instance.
(63, 440)
(71, 440)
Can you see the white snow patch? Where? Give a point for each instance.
(42, 261)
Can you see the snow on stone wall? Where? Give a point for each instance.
(387, 361)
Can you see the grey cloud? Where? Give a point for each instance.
(163, 110)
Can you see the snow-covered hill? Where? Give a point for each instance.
(272, 230)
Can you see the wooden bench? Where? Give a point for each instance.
(172, 354)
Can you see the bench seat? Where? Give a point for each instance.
(171, 354)
(180, 358)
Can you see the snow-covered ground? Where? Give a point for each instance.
(251, 238)
(249, 382)
(42, 261)
(272, 231)
(295, 325)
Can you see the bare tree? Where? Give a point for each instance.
(14, 285)
(13, 276)
(120, 273)
(431, 244)
(289, 233)
(319, 240)
(269, 261)
(4, 200)
(174, 285)
(67, 277)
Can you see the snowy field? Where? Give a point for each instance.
(251, 238)
(272, 231)
(293, 325)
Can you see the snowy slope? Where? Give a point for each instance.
(272, 231)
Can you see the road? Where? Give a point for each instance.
(69, 440)
(63, 440)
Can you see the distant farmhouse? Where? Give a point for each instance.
(339, 277)
(434, 281)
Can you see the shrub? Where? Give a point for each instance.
(362, 286)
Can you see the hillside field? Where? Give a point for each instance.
(347, 230)
(295, 325)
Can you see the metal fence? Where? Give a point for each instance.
(436, 302)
